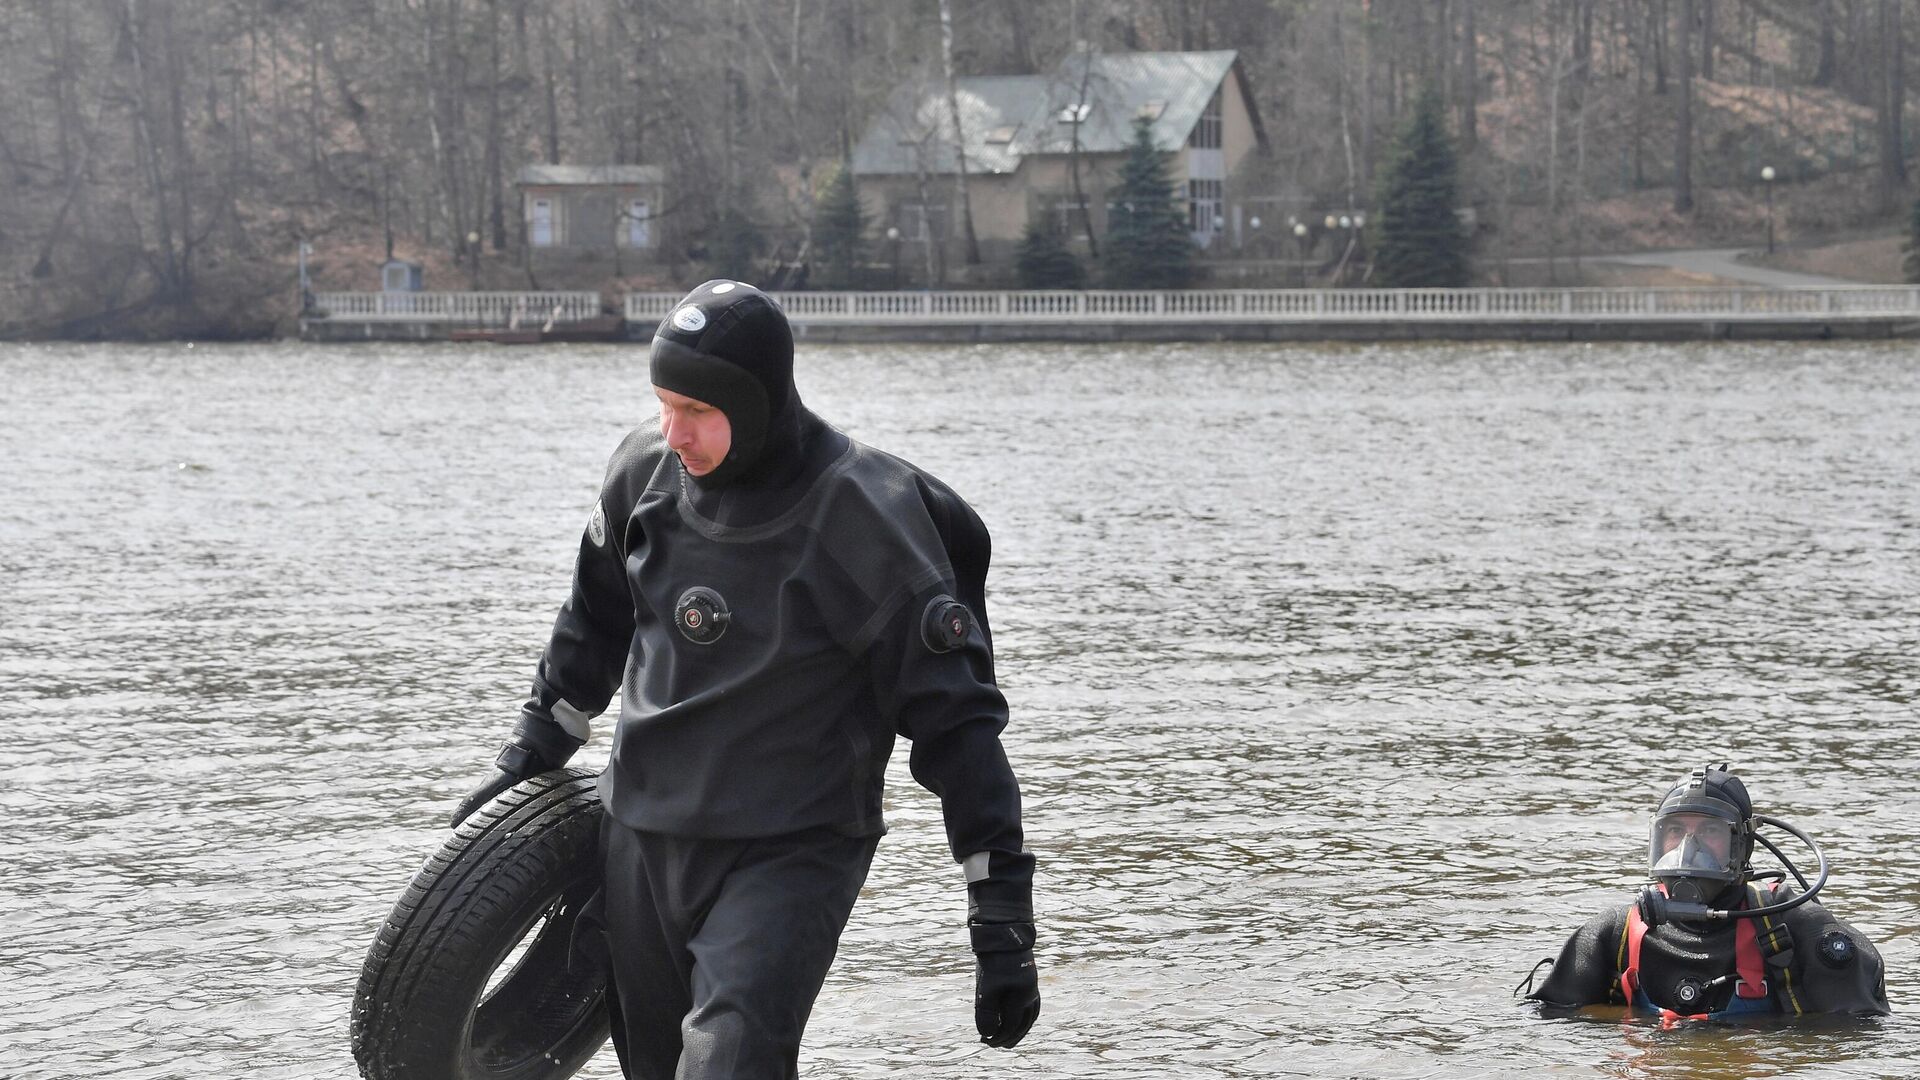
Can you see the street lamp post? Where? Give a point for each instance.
(1766, 176)
(893, 239)
(1300, 231)
(1351, 225)
(306, 283)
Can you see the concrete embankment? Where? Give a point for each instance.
(1683, 314)
(1532, 330)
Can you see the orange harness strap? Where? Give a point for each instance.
(1747, 961)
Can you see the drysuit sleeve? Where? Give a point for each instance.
(1834, 969)
(1587, 971)
(941, 694)
(586, 656)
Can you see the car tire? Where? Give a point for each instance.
(472, 976)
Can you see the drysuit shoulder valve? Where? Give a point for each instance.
(1836, 949)
(945, 623)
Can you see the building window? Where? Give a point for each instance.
(1206, 132)
(639, 224)
(1066, 215)
(1204, 201)
(914, 224)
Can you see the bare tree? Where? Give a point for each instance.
(495, 152)
(1683, 114)
(1890, 107)
(1706, 39)
(1469, 123)
(1642, 49)
(959, 134)
(1073, 153)
(1829, 54)
(1659, 19)
(549, 86)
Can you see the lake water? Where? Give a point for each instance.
(1343, 679)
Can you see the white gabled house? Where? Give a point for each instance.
(1022, 136)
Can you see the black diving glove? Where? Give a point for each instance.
(536, 746)
(1006, 984)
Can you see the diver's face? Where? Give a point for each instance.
(1709, 832)
(696, 431)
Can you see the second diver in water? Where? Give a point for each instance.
(1710, 938)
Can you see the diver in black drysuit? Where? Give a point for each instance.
(771, 625)
(1799, 962)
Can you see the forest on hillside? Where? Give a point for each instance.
(162, 161)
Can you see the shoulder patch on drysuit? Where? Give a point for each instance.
(597, 526)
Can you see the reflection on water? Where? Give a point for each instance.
(1342, 681)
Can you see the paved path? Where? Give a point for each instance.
(1720, 262)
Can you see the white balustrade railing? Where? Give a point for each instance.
(1329, 305)
(534, 309)
(482, 309)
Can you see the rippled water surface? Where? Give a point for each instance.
(1342, 680)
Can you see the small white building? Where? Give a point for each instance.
(399, 275)
(591, 209)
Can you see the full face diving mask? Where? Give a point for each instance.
(1694, 852)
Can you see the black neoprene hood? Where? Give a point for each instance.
(1715, 791)
(728, 344)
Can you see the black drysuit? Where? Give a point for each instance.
(769, 634)
(1820, 966)
(786, 720)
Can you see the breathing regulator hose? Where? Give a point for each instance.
(1656, 907)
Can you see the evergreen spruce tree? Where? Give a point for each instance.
(1422, 243)
(1044, 261)
(1147, 242)
(1911, 264)
(839, 228)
